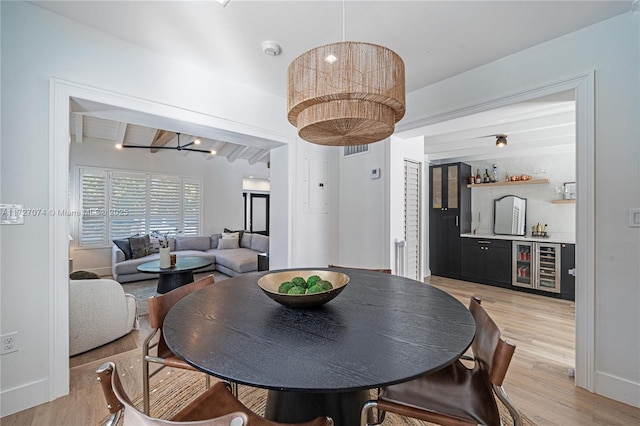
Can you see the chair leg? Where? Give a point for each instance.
(367, 410)
(502, 396)
(145, 386)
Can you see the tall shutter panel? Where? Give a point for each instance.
(412, 218)
(128, 194)
(191, 206)
(93, 224)
(164, 204)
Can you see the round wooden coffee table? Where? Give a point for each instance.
(179, 274)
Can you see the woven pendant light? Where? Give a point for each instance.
(346, 93)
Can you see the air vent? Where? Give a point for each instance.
(355, 149)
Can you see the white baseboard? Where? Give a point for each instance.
(617, 388)
(23, 397)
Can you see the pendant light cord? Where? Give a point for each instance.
(343, 21)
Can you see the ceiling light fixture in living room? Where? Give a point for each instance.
(347, 93)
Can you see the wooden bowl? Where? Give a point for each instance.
(270, 283)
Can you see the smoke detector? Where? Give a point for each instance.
(271, 48)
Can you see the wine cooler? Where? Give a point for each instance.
(536, 265)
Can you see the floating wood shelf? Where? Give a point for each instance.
(515, 182)
(564, 201)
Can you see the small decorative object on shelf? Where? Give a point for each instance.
(539, 231)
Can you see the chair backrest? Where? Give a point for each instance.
(159, 305)
(384, 271)
(117, 399)
(492, 354)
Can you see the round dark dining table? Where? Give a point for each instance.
(381, 330)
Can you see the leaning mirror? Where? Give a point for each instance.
(509, 215)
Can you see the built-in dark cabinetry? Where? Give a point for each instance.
(486, 261)
(449, 216)
(568, 270)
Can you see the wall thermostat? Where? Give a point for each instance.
(375, 173)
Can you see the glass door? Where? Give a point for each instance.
(548, 267)
(523, 264)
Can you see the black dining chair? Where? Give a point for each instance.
(456, 395)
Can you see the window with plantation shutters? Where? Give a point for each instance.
(93, 196)
(119, 204)
(128, 194)
(412, 190)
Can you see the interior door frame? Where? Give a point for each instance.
(252, 196)
(583, 86)
(60, 94)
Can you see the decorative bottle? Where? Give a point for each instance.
(478, 178)
(486, 176)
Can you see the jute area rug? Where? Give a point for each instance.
(177, 389)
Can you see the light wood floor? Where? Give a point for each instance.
(537, 381)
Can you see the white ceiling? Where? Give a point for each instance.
(436, 39)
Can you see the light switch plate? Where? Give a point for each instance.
(634, 218)
(375, 174)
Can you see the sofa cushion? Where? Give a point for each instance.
(125, 246)
(260, 243)
(240, 260)
(245, 241)
(214, 240)
(193, 243)
(140, 246)
(227, 243)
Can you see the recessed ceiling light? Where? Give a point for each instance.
(197, 141)
(213, 152)
(118, 146)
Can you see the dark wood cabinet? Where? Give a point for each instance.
(567, 271)
(449, 216)
(486, 261)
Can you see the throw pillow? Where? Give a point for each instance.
(125, 246)
(227, 243)
(228, 235)
(239, 232)
(140, 246)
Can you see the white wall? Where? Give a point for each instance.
(364, 209)
(222, 187)
(610, 49)
(558, 168)
(36, 46)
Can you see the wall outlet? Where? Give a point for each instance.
(9, 343)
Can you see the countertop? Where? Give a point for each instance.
(566, 238)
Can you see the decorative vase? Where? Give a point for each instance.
(165, 257)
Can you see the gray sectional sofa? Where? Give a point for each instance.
(230, 261)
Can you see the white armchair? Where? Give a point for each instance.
(99, 312)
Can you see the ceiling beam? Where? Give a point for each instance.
(237, 153)
(259, 156)
(122, 130)
(79, 126)
(161, 139)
